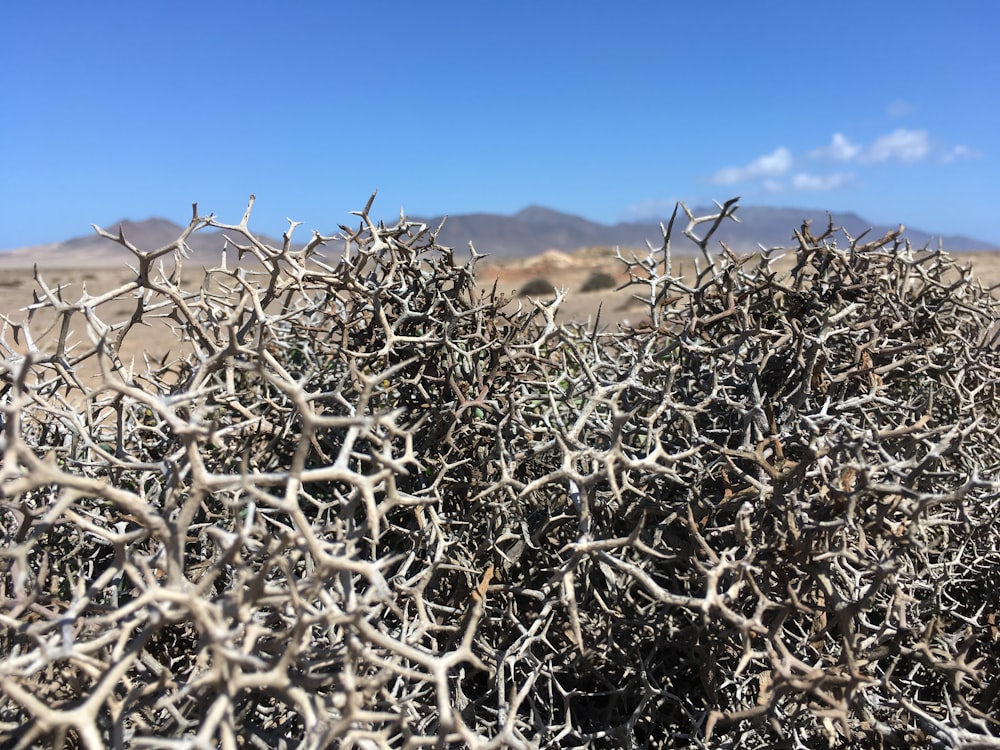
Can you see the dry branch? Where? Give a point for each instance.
(367, 503)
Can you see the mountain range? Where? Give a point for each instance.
(528, 232)
(536, 229)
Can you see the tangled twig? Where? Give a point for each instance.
(365, 502)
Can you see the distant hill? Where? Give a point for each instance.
(94, 251)
(526, 233)
(536, 229)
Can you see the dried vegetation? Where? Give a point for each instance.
(364, 503)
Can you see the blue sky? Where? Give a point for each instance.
(612, 111)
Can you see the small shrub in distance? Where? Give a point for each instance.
(598, 280)
(537, 287)
(364, 505)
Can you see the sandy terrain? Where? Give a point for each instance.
(566, 271)
(569, 271)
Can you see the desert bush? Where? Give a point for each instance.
(598, 280)
(537, 287)
(365, 503)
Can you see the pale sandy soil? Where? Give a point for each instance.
(570, 271)
(565, 271)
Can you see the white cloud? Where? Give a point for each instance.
(899, 108)
(960, 151)
(804, 181)
(771, 165)
(651, 208)
(902, 145)
(773, 172)
(840, 149)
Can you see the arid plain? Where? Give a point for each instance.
(565, 271)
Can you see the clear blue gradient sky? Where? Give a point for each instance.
(612, 111)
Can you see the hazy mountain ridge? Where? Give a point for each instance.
(530, 231)
(149, 234)
(536, 229)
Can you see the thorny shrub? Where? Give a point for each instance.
(537, 287)
(366, 503)
(597, 281)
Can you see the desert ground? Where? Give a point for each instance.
(566, 271)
